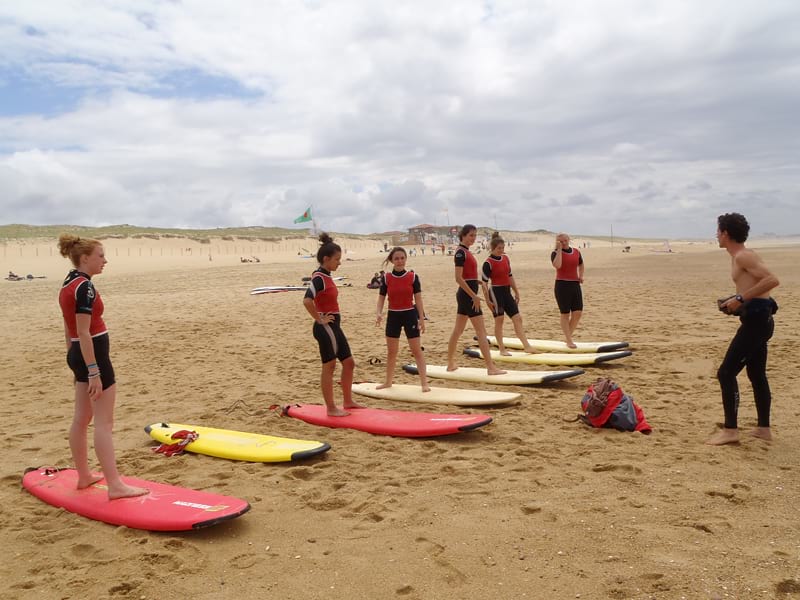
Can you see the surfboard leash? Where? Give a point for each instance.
(282, 411)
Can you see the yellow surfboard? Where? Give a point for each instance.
(239, 445)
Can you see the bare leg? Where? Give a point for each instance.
(762, 433)
(565, 327)
(348, 366)
(573, 321)
(458, 329)
(392, 348)
(104, 446)
(78, 442)
(726, 436)
(483, 344)
(498, 334)
(416, 348)
(326, 382)
(516, 320)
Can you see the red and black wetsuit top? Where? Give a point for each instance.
(497, 269)
(400, 286)
(570, 259)
(79, 296)
(464, 258)
(324, 292)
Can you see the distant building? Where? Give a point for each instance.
(426, 234)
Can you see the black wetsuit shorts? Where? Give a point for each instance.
(332, 341)
(102, 357)
(503, 300)
(568, 296)
(397, 320)
(465, 301)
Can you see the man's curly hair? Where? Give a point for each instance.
(735, 225)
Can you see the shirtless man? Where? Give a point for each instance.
(748, 348)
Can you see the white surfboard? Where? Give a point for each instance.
(337, 278)
(479, 375)
(556, 346)
(437, 395)
(273, 289)
(551, 358)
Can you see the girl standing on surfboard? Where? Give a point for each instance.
(568, 263)
(88, 357)
(405, 312)
(321, 302)
(469, 302)
(497, 270)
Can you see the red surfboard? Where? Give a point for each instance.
(397, 423)
(165, 508)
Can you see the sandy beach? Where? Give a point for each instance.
(533, 505)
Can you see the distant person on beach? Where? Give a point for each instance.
(568, 263)
(87, 344)
(496, 273)
(376, 281)
(748, 348)
(321, 302)
(406, 312)
(469, 301)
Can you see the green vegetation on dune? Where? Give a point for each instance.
(22, 232)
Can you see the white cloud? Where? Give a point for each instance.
(654, 115)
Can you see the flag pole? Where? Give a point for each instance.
(315, 229)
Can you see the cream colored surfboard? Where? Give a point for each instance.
(479, 375)
(550, 358)
(556, 346)
(437, 395)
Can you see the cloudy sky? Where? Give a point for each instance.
(648, 116)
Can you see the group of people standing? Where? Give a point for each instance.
(406, 314)
(752, 303)
(88, 355)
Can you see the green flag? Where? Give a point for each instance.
(305, 217)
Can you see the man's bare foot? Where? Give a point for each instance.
(495, 371)
(337, 412)
(762, 433)
(505, 352)
(572, 345)
(726, 436)
(451, 368)
(353, 404)
(91, 480)
(426, 388)
(383, 386)
(530, 350)
(126, 491)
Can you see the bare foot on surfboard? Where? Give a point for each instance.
(726, 436)
(426, 388)
(126, 491)
(337, 412)
(495, 371)
(383, 386)
(505, 352)
(353, 404)
(451, 368)
(762, 433)
(91, 480)
(530, 350)
(572, 345)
